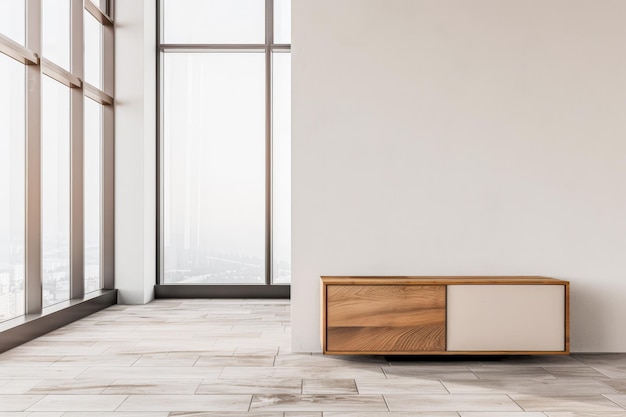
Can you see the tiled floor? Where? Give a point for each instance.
(206, 358)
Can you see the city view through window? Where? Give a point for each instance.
(51, 145)
(225, 79)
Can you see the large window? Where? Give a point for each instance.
(12, 183)
(56, 133)
(55, 187)
(225, 142)
(93, 194)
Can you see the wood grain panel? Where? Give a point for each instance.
(386, 339)
(385, 305)
(385, 318)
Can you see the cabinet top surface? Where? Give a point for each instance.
(441, 280)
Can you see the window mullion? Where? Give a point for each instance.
(107, 225)
(18, 52)
(269, 39)
(77, 247)
(33, 270)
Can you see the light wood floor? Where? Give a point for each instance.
(232, 358)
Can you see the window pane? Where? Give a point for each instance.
(93, 199)
(12, 124)
(93, 51)
(214, 21)
(214, 168)
(102, 5)
(282, 21)
(13, 19)
(281, 169)
(55, 185)
(56, 31)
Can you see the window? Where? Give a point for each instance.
(55, 187)
(93, 193)
(56, 28)
(93, 51)
(12, 183)
(225, 142)
(13, 20)
(281, 166)
(213, 21)
(56, 120)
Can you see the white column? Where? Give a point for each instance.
(135, 150)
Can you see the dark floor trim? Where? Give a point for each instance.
(26, 328)
(222, 291)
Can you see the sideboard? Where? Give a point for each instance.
(444, 315)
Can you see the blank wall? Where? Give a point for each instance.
(455, 137)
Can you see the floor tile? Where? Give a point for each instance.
(224, 414)
(585, 414)
(251, 386)
(228, 355)
(40, 372)
(100, 360)
(17, 386)
(563, 387)
(618, 384)
(619, 399)
(593, 359)
(303, 414)
(153, 386)
(78, 403)
(574, 372)
(186, 403)
(453, 402)
(116, 414)
(500, 414)
(249, 361)
(18, 402)
(146, 372)
(400, 386)
(329, 386)
(319, 402)
(295, 372)
(514, 373)
(27, 360)
(611, 371)
(392, 414)
(296, 359)
(166, 362)
(70, 386)
(422, 373)
(530, 361)
(561, 403)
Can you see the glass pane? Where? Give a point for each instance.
(93, 199)
(281, 269)
(55, 186)
(93, 51)
(214, 168)
(214, 21)
(56, 31)
(12, 138)
(102, 5)
(282, 21)
(13, 20)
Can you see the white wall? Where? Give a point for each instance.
(135, 150)
(445, 137)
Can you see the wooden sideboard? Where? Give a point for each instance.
(445, 315)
